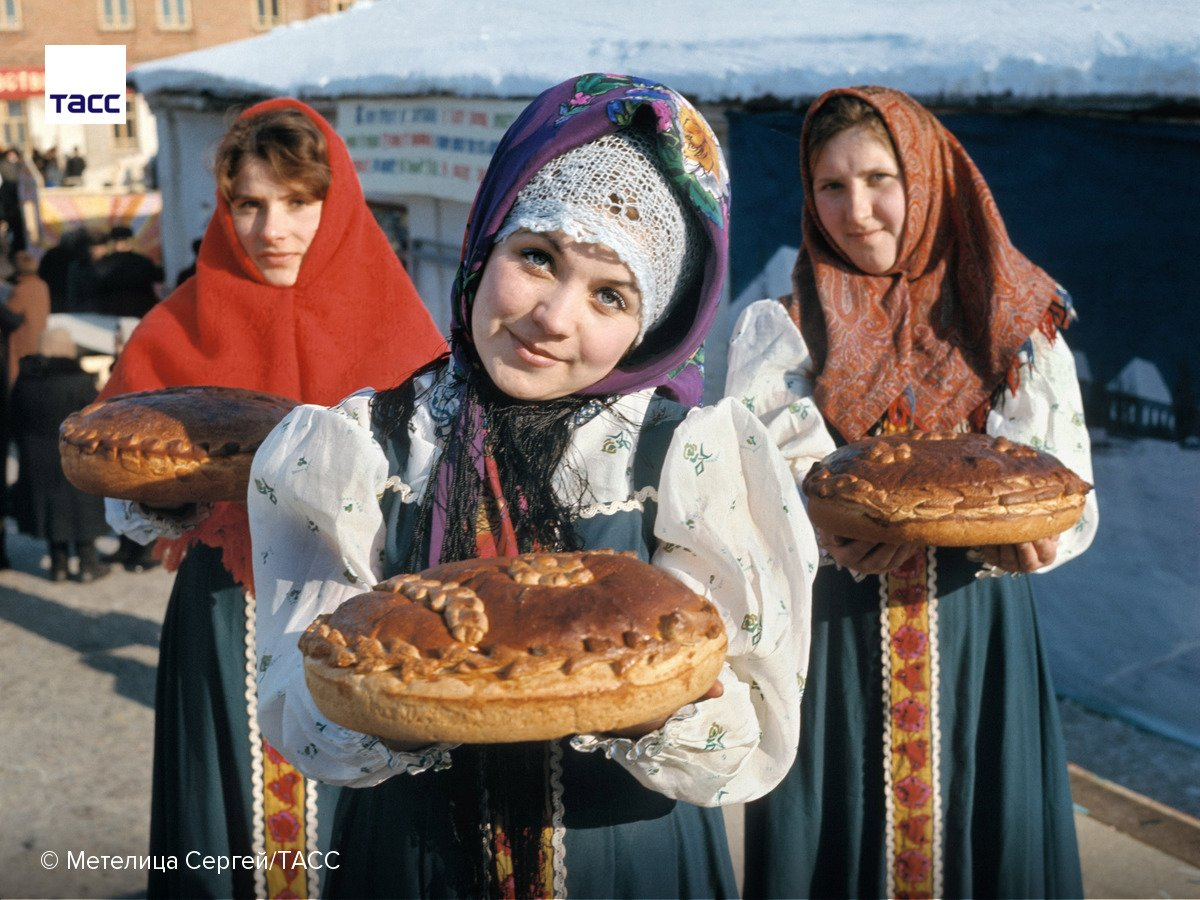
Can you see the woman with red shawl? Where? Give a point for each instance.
(931, 758)
(294, 284)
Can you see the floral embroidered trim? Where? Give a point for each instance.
(908, 619)
(283, 808)
(285, 802)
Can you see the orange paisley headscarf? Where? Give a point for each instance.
(938, 332)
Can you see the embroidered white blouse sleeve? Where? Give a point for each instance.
(317, 529)
(730, 525)
(144, 524)
(1047, 412)
(769, 374)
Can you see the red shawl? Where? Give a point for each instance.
(938, 332)
(353, 319)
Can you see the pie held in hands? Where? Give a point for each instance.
(523, 648)
(945, 489)
(171, 446)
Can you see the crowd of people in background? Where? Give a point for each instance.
(57, 171)
(44, 381)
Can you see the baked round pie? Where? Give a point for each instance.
(171, 446)
(945, 489)
(523, 648)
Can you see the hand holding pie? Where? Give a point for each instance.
(944, 489)
(523, 648)
(169, 447)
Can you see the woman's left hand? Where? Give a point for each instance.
(1027, 557)
(633, 732)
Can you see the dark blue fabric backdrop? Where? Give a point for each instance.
(1109, 207)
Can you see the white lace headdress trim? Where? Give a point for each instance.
(611, 191)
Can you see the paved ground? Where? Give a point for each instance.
(76, 698)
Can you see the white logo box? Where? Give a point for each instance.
(85, 84)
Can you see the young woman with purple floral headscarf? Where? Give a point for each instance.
(591, 270)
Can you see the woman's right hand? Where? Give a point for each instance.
(866, 557)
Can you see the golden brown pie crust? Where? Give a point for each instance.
(524, 648)
(945, 489)
(171, 446)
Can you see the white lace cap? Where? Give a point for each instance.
(611, 191)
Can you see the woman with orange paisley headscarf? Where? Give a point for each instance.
(294, 285)
(931, 759)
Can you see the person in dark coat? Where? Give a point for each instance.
(10, 199)
(83, 286)
(10, 321)
(49, 387)
(73, 168)
(126, 278)
(56, 262)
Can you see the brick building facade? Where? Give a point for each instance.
(150, 29)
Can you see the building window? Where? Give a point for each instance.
(10, 15)
(338, 6)
(12, 123)
(267, 13)
(175, 15)
(116, 15)
(125, 137)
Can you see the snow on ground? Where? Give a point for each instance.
(1122, 623)
(713, 49)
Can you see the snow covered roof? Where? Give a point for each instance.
(1141, 378)
(712, 50)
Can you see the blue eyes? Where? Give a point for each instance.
(536, 257)
(609, 299)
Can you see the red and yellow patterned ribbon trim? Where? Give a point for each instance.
(283, 814)
(914, 843)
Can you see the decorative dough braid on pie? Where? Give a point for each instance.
(522, 648)
(170, 446)
(945, 489)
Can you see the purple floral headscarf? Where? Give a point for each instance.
(560, 119)
(571, 114)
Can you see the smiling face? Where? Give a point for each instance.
(553, 316)
(275, 222)
(859, 195)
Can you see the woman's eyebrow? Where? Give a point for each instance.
(624, 283)
(549, 239)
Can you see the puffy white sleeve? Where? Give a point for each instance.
(317, 530)
(730, 525)
(1046, 412)
(769, 374)
(144, 524)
